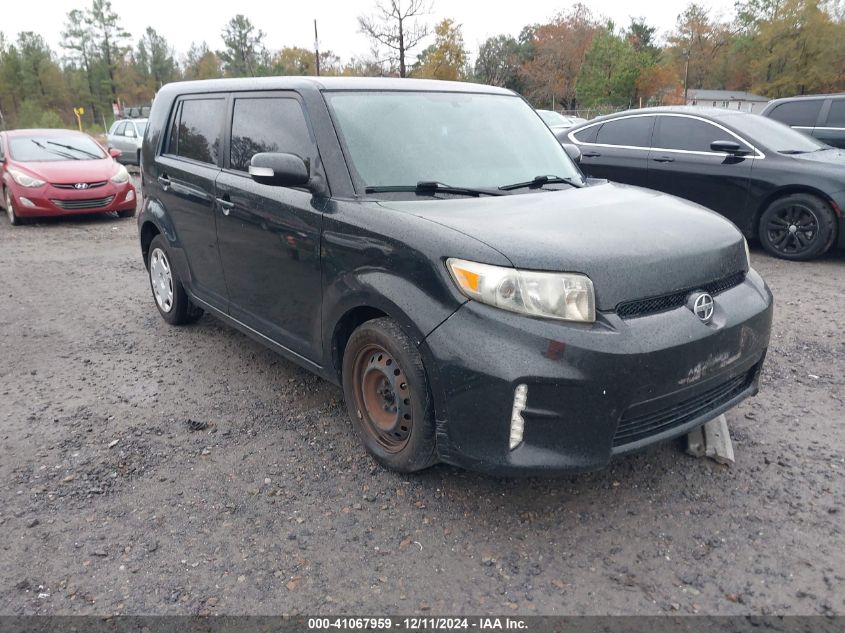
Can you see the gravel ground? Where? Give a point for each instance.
(150, 469)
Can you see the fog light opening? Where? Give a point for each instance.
(130, 195)
(520, 400)
(26, 202)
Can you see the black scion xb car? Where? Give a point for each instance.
(431, 247)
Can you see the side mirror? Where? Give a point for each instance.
(280, 170)
(114, 152)
(573, 151)
(728, 147)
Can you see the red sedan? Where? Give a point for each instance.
(60, 172)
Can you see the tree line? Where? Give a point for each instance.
(575, 60)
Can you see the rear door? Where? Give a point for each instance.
(270, 236)
(184, 183)
(682, 163)
(617, 149)
(832, 127)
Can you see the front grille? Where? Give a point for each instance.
(87, 203)
(652, 305)
(633, 428)
(91, 185)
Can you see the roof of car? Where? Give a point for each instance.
(775, 102)
(715, 113)
(331, 83)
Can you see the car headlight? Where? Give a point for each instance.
(121, 176)
(24, 180)
(565, 296)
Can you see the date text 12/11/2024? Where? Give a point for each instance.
(418, 623)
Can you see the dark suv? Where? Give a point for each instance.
(431, 247)
(822, 116)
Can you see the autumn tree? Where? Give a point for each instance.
(446, 58)
(244, 54)
(696, 45)
(294, 60)
(202, 63)
(397, 27)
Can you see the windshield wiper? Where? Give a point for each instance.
(539, 181)
(429, 187)
(75, 149)
(52, 151)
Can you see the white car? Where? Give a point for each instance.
(127, 135)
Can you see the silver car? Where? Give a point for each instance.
(127, 135)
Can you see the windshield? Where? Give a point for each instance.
(460, 139)
(553, 118)
(141, 126)
(52, 147)
(773, 134)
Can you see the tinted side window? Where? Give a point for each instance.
(836, 116)
(588, 135)
(675, 132)
(268, 124)
(118, 131)
(803, 113)
(198, 133)
(634, 132)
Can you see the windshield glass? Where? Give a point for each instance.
(140, 126)
(461, 139)
(773, 134)
(552, 118)
(51, 147)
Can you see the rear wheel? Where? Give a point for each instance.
(170, 297)
(14, 220)
(387, 396)
(800, 226)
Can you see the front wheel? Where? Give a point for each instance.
(798, 227)
(387, 396)
(14, 220)
(170, 297)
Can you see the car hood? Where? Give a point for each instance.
(833, 156)
(71, 171)
(633, 243)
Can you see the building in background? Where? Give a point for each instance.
(732, 99)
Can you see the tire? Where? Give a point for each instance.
(798, 227)
(130, 213)
(387, 396)
(14, 220)
(168, 294)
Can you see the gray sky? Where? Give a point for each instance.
(290, 23)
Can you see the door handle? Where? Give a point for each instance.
(225, 205)
(663, 159)
(590, 154)
(164, 181)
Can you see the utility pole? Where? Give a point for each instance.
(316, 48)
(686, 72)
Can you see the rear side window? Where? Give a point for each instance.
(633, 132)
(118, 131)
(268, 124)
(587, 135)
(836, 116)
(675, 132)
(195, 132)
(802, 113)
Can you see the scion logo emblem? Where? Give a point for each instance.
(81, 185)
(702, 307)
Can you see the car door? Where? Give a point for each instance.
(115, 139)
(130, 141)
(183, 183)
(831, 129)
(269, 236)
(682, 163)
(801, 114)
(617, 149)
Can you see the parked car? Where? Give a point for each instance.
(777, 185)
(559, 123)
(127, 135)
(821, 116)
(431, 247)
(61, 172)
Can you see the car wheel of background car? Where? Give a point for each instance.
(800, 226)
(14, 220)
(387, 396)
(169, 295)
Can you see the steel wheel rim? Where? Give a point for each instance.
(793, 230)
(161, 280)
(382, 398)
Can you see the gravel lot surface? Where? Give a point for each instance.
(151, 469)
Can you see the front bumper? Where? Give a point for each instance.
(49, 200)
(594, 391)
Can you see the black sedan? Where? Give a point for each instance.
(777, 185)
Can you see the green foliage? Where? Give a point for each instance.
(610, 71)
(499, 60)
(244, 54)
(31, 115)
